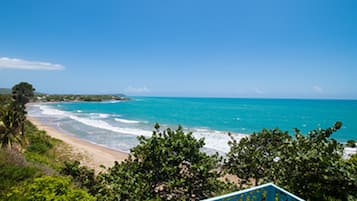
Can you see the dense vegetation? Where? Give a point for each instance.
(70, 98)
(42, 97)
(24, 173)
(310, 166)
(167, 166)
(30, 160)
(170, 165)
(13, 114)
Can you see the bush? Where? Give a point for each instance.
(13, 171)
(310, 166)
(167, 166)
(49, 188)
(83, 176)
(253, 156)
(39, 142)
(40, 148)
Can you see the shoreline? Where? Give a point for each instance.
(210, 138)
(94, 156)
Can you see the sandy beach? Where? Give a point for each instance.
(93, 155)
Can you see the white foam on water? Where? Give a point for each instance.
(47, 110)
(349, 151)
(104, 115)
(126, 121)
(104, 125)
(99, 115)
(110, 101)
(214, 140)
(217, 140)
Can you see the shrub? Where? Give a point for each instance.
(310, 166)
(83, 176)
(167, 166)
(13, 171)
(49, 188)
(39, 142)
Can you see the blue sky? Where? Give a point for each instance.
(293, 49)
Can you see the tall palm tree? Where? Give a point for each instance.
(21, 94)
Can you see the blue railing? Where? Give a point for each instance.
(266, 192)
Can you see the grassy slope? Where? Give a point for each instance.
(42, 156)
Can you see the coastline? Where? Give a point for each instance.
(93, 156)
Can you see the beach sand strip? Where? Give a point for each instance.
(92, 155)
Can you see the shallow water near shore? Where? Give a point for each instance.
(116, 124)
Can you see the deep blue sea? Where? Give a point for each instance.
(116, 124)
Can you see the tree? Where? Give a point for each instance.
(21, 94)
(167, 166)
(9, 126)
(252, 157)
(310, 166)
(314, 169)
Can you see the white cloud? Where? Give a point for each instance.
(317, 89)
(14, 63)
(131, 89)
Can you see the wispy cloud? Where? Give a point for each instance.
(131, 89)
(317, 89)
(14, 63)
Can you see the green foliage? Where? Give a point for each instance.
(88, 98)
(167, 166)
(353, 161)
(13, 171)
(10, 121)
(41, 148)
(40, 142)
(5, 99)
(315, 162)
(17, 173)
(309, 166)
(22, 93)
(351, 143)
(83, 176)
(37, 158)
(49, 188)
(12, 114)
(253, 156)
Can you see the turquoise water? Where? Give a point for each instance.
(211, 118)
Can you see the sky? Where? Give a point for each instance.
(200, 48)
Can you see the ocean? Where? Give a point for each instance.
(116, 124)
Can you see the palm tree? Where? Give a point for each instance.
(10, 121)
(21, 94)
